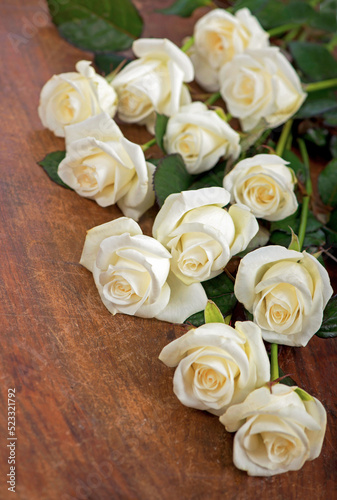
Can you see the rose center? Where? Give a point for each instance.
(208, 378)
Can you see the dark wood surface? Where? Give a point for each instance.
(96, 414)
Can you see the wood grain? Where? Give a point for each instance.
(96, 415)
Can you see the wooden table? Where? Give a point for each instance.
(96, 414)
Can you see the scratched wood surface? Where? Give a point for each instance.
(96, 415)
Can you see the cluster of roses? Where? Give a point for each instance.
(219, 368)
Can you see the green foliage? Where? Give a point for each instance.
(221, 291)
(160, 129)
(97, 25)
(327, 184)
(170, 177)
(314, 60)
(328, 327)
(184, 8)
(213, 313)
(272, 14)
(50, 165)
(211, 178)
(295, 164)
(107, 62)
(319, 103)
(281, 231)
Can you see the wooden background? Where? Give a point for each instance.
(96, 415)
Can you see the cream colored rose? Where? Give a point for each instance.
(261, 84)
(286, 291)
(131, 272)
(154, 82)
(200, 234)
(276, 431)
(217, 365)
(219, 36)
(201, 137)
(102, 165)
(265, 185)
(73, 97)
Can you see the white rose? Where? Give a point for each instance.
(73, 97)
(276, 431)
(286, 291)
(219, 36)
(131, 272)
(261, 84)
(265, 185)
(102, 165)
(153, 83)
(200, 234)
(201, 137)
(217, 365)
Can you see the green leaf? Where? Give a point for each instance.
(211, 178)
(328, 327)
(97, 25)
(196, 319)
(213, 313)
(330, 118)
(294, 222)
(333, 146)
(295, 164)
(318, 136)
(318, 103)
(170, 177)
(184, 8)
(160, 129)
(314, 60)
(294, 243)
(313, 239)
(272, 14)
(327, 184)
(305, 396)
(108, 62)
(50, 165)
(221, 291)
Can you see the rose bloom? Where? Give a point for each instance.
(104, 166)
(286, 291)
(154, 82)
(201, 137)
(131, 272)
(276, 430)
(73, 97)
(200, 234)
(264, 184)
(219, 36)
(261, 84)
(217, 365)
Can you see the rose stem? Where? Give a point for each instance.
(188, 44)
(274, 371)
(324, 84)
(306, 198)
(283, 138)
(279, 30)
(147, 145)
(212, 98)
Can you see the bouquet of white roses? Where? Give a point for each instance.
(237, 243)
